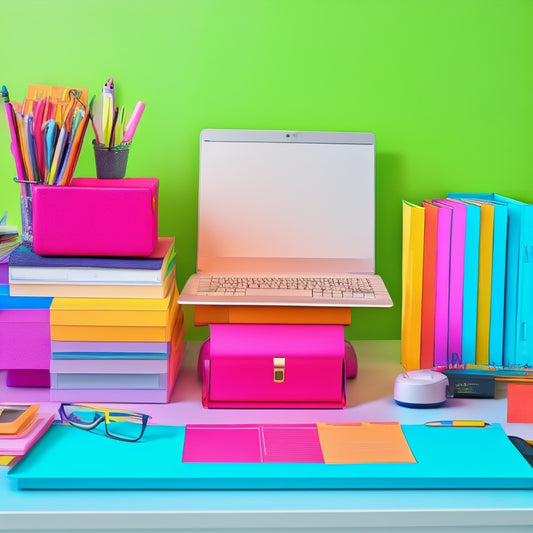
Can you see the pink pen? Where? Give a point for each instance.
(133, 122)
(15, 147)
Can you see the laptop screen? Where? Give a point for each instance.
(277, 200)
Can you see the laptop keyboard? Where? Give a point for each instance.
(311, 287)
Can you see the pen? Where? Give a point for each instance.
(15, 149)
(458, 423)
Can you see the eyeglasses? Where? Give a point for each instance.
(121, 425)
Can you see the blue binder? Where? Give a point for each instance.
(518, 316)
(470, 288)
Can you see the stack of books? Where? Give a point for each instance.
(31, 274)
(466, 282)
(116, 328)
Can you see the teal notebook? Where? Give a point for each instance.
(447, 458)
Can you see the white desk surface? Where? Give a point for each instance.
(369, 398)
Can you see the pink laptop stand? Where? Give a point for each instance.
(275, 365)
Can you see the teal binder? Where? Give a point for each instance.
(447, 458)
(470, 278)
(518, 315)
(499, 262)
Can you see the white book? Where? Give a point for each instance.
(85, 276)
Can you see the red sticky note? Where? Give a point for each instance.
(520, 403)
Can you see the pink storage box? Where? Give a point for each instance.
(271, 366)
(112, 217)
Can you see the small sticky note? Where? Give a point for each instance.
(520, 403)
(364, 442)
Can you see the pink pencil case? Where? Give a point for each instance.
(112, 217)
(273, 366)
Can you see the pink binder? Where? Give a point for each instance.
(457, 264)
(442, 284)
(114, 217)
(274, 365)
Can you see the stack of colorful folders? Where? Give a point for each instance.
(116, 328)
(21, 426)
(467, 282)
(276, 357)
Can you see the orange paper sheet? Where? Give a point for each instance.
(364, 442)
(519, 403)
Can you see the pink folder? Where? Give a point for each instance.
(457, 263)
(112, 217)
(20, 445)
(442, 285)
(249, 443)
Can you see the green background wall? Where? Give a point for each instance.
(445, 85)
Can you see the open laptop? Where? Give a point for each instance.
(297, 206)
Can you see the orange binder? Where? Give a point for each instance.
(263, 314)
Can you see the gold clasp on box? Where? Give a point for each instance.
(279, 369)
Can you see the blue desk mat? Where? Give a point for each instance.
(447, 458)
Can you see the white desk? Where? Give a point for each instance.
(369, 398)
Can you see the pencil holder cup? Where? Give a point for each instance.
(26, 212)
(111, 162)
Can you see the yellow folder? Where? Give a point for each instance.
(412, 270)
(111, 311)
(110, 333)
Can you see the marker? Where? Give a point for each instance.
(458, 423)
(133, 122)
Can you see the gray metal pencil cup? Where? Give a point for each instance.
(111, 162)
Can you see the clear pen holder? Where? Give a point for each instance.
(26, 212)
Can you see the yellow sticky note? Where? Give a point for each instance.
(364, 442)
(6, 459)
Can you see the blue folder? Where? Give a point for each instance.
(447, 458)
(499, 262)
